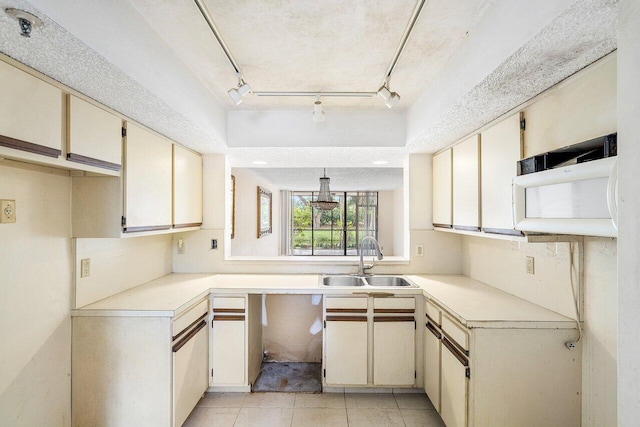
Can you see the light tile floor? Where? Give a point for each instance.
(327, 409)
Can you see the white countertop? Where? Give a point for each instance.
(474, 303)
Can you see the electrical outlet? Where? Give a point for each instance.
(419, 250)
(85, 268)
(7, 211)
(531, 265)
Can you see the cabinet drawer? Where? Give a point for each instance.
(186, 319)
(433, 313)
(394, 305)
(345, 304)
(455, 331)
(225, 304)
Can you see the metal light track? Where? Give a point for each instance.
(403, 42)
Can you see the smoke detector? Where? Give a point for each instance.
(27, 21)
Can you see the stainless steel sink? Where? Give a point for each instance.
(388, 281)
(342, 281)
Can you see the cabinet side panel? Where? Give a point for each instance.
(121, 371)
(525, 377)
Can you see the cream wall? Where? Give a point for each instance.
(629, 220)
(35, 297)
(386, 222)
(246, 241)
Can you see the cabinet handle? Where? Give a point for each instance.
(188, 327)
(346, 310)
(433, 330)
(228, 318)
(228, 310)
(431, 320)
(346, 318)
(394, 310)
(394, 319)
(456, 353)
(375, 294)
(455, 343)
(188, 337)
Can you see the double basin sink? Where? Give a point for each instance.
(373, 281)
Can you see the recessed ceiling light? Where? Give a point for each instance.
(380, 162)
(259, 162)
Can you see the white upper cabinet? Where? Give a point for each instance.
(94, 135)
(442, 189)
(501, 150)
(148, 181)
(466, 184)
(187, 188)
(30, 113)
(581, 108)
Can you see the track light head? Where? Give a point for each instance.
(236, 94)
(390, 98)
(318, 114)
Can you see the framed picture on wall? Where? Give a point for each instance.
(264, 212)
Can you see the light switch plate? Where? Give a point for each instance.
(7, 211)
(419, 250)
(531, 265)
(85, 268)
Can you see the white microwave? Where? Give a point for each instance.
(577, 199)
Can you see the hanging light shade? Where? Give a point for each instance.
(324, 202)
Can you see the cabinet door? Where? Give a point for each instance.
(148, 181)
(442, 181)
(432, 346)
(453, 401)
(394, 343)
(190, 375)
(501, 150)
(187, 187)
(94, 135)
(227, 351)
(346, 350)
(30, 113)
(466, 184)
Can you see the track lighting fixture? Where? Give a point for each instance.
(390, 98)
(318, 114)
(236, 94)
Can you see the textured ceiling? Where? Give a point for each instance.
(309, 45)
(342, 179)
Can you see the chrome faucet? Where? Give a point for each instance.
(361, 266)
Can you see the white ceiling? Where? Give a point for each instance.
(467, 63)
(341, 179)
(310, 45)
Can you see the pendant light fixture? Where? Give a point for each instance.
(324, 202)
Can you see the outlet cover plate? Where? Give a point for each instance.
(7, 211)
(531, 265)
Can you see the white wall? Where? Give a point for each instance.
(398, 222)
(35, 297)
(246, 241)
(629, 220)
(386, 222)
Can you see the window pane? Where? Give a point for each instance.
(301, 224)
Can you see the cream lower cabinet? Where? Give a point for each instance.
(369, 341)
(431, 353)
(501, 376)
(236, 342)
(138, 370)
(394, 341)
(346, 342)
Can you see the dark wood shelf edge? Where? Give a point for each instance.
(78, 158)
(29, 147)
